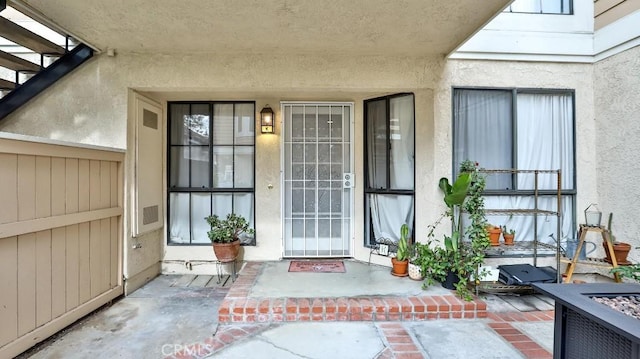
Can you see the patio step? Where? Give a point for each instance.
(239, 307)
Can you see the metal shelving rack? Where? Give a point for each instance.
(535, 211)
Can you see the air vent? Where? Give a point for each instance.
(150, 215)
(150, 119)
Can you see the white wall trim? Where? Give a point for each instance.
(544, 38)
(522, 57)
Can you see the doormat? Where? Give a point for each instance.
(317, 266)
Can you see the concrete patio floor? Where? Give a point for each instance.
(177, 317)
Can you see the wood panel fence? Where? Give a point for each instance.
(60, 237)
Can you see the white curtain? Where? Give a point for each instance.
(390, 211)
(483, 132)
(544, 141)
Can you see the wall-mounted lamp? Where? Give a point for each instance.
(266, 120)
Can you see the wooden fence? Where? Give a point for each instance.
(60, 237)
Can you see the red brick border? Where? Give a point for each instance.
(238, 307)
(398, 341)
(529, 348)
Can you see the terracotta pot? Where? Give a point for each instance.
(494, 236)
(620, 250)
(399, 267)
(226, 252)
(508, 238)
(415, 272)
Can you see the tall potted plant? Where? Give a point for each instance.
(225, 235)
(454, 263)
(401, 261)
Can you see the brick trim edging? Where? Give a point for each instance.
(238, 307)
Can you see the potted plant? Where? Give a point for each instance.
(454, 263)
(494, 234)
(508, 235)
(225, 235)
(620, 249)
(401, 260)
(415, 264)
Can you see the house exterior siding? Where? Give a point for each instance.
(104, 120)
(609, 11)
(92, 105)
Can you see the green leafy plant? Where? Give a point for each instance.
(630, 271)
(459, 256)
(229, 229)
(508, 231)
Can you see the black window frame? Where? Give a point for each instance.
(369, 241)
(564, 192)
(210, 189)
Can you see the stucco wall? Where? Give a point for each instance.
(617, 105)
(524, 75)
(90, 106)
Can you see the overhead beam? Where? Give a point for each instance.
(18, 34)
(16, 63)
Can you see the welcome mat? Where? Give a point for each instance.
(317, 266)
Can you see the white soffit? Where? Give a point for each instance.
(356, 27)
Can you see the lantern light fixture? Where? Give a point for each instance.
(266, 120)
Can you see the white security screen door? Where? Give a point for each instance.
(318, 179)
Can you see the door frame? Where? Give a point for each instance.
(351, 105)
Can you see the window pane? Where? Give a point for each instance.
(387, 213)
(179, 134)
(526, 6)
(179, 167)
(179, 221)
(556, 6)
(545, 139)
(199, 167)
(200, 208)
(243, 167)
(223, 167)
(198, 124)
(243, 205)
(223, 124)
(483, 132)
(222, 204)
(245, 124)
(377, 144)
(193, 166)
(402, 136)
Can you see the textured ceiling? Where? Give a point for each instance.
(356, 27)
